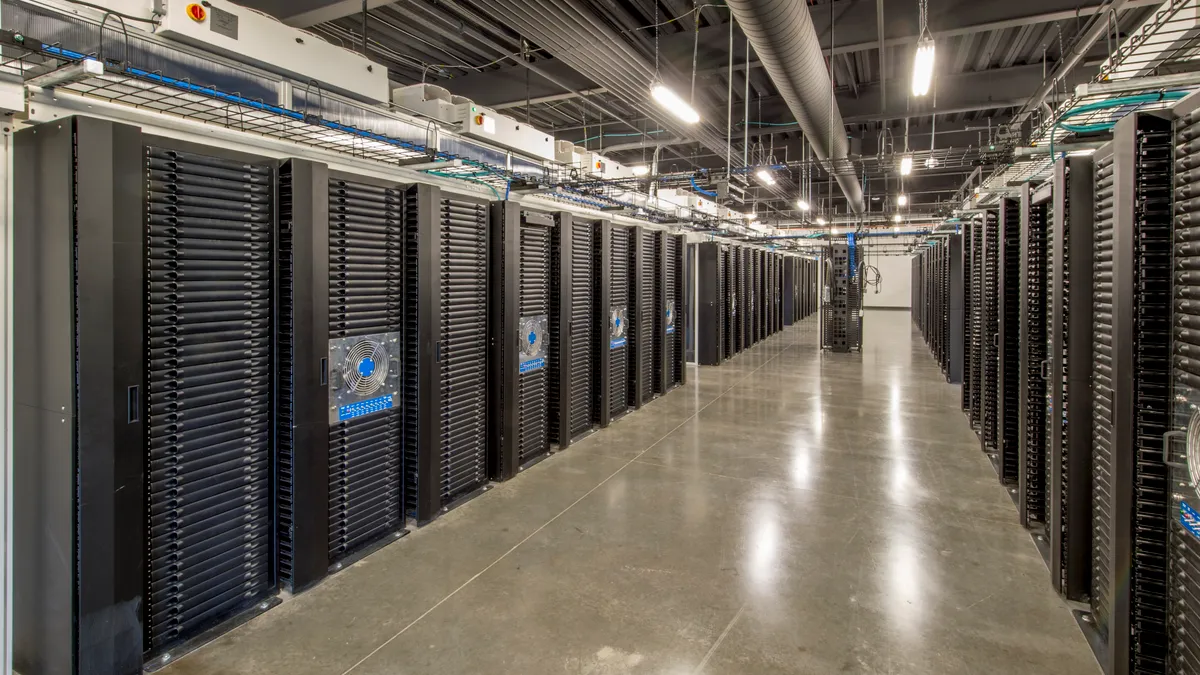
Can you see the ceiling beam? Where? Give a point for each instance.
(331, 12)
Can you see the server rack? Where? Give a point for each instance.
(144, 392)
(519, 309)
(646, 348)
(1008, 363)
(955, 321)
(1070, 377)
(669, 303)
(1033, 480)
(711, 298)
(574, 338)
(989, 405)
(841, 313)
(1184, 462)
(615, 246)
(445, 337)
(937, 299)
(1131, 378)
(340, 491)
(733, 275)
(788, 299)
(744, 304)
(970, 309)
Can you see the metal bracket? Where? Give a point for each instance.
(1166, 455)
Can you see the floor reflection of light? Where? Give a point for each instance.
(896, 426)
(904, 600)
(801, 468)
(818, 416)
(763, 555)
(901, 486)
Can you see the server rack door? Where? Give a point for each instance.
(79, 421)
(956, 310)
(678, 312)
(1069, 413)
(573, 329)
(519, 337)
(1131, 495)
(990, 336)
(732, 305)
(1184, 459)
(603, 321)
(746, 301)
(446, 341)
(210, 232)
(664, 297)
(1032, 505)
(735, 292)
(1008, 357)
(968, 271)
(365, 301)
(622, 366)
(710, 319)
(788, 290)
(641, 320)
(648, 323)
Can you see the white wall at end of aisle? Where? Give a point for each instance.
(895, 290)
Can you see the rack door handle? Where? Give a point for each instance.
(1166, 456)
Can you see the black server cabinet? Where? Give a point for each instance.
(711, 310)
(734, 289)
(669, 312)
(340, 460)
(1131, 377)
(1033, 471)
(445, 337)
(645, 347)
(788, 290)
(989, 333)
(1184, 459)
(970, 307)
(840, 314)
(1070, 377)
(79, 430)
(1008, 362)
(574, 338)
(956, 309)
(740, 298)
(614, 245)
(144, 294)
(519, 338)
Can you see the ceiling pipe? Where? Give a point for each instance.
(786, 43)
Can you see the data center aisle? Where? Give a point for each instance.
(788, 512)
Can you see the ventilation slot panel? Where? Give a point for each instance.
(619, 358)
(582, 361)
(1102, 393)
(649, 344)
(1033, 321)
(365, 287)
(532, 386)
(208, 447)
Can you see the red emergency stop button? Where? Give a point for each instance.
(197, 12)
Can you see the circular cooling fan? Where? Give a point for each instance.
(531, 338)
(618, 324)
(365, 368)
(1193, 448)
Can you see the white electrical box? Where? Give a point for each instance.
(475, 121)
(255, 38)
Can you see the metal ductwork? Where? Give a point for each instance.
(786, 43)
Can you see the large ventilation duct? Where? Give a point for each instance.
(784, 38)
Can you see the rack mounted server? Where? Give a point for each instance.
(841, 328)
(1033, 495)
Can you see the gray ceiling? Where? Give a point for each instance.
(991, 56)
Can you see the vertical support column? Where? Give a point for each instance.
(428, 312)
(504, 309)
(637, 285)
(78, 393)
(310, 352)
(561, 370)
(603, 272)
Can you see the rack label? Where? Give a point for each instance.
(1189, 518)
(531, 340)
(618, 324)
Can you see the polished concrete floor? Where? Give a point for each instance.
(788, 512)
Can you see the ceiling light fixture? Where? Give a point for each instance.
(673, 104)
(902, 200)
(802, 205)
(820, 221)
(765, 176)
(922, 76)
(751, 216)
(641, 170)
(1082, 153)
(905, 165)
(896, 218)
(833, 230)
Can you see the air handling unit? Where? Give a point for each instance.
(475, 121)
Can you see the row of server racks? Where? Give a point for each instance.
(1082, 373)
(937, 302)
(239, 374)
(746, 294)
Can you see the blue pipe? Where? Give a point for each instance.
(697, 188)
